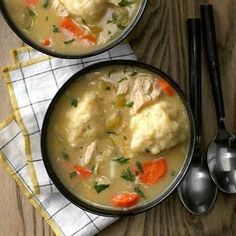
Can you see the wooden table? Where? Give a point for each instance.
(160, 39)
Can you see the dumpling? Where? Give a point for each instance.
(89, 10)
(85, 122)
(159, 126)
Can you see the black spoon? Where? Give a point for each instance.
(221, 154)
(197, 191)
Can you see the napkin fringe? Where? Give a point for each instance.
(16, 112)
(33, 201)
(26, 49)
(19, 120)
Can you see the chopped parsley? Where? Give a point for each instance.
(134, 73)
(139, 192)
(29, 17)
(111, 132)
(130, 104)
(139, 166)
(125, 3)
(74, 102)
(84, 22)
(172, 173)
(128, 175)
(69, 41)
(93, 169)
(55, 29)
(108, 88)
(121, 160)
(100, 187)
(109, 73)
(146, 150)
(47, 18)
(30, 12)
(65, 156)
(122, 79)
(73, 174)
(116, 19)
(120, 26)
(45, 3)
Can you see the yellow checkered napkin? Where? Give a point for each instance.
(32, 82)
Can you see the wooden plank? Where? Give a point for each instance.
(160, 39)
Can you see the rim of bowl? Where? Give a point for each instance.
(100, 50)
(90, 207)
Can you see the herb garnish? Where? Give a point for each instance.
(100, 187)
(84, 22)
(73, 174)
(111, 132)
(134, 73)
(45, 3)
(74, 102)
(29, 16)
(120, 26)
(55, 29)
(69, 41)
(116, 19)
(121, 160)
(125, 3)
(130, 104)
(139, 192)
(122, 79)
(172, 173)
(108, 88)
(65, 156)
(128, 175)
(139, 166)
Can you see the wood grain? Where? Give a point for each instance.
(160, 39)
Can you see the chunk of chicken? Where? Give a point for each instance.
(144, 91)
(61, 10)
(90, 10)
(89, 153)
(123, 87)
(103, 180)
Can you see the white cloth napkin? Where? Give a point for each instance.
(32, 82)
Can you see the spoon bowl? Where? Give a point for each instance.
(221, 159)
(192, 190)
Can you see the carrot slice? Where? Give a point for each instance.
(46, 42)
(125, 199)
(166, 87)
(153, 171)
(68, 24)
(31, 2)
(83, 171)
(90, 38)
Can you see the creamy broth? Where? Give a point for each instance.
(58, 27)
(94, 126)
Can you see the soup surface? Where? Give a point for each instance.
(118, 136)
(72, 26)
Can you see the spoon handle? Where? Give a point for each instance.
(209, 35)
(194, 43)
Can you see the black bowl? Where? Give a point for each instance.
(31, 43)
(91, 208)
